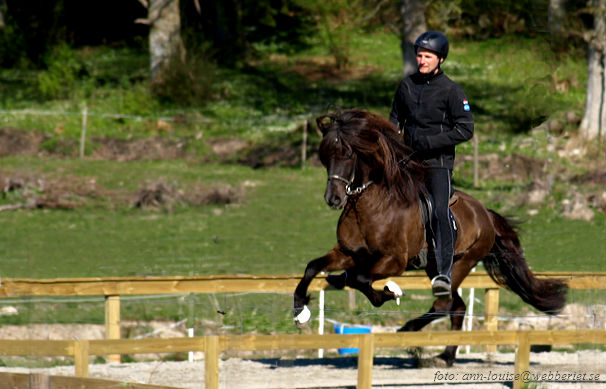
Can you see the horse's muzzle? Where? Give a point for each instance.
(335, 202)
(334, 196)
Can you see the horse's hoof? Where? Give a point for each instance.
(395, 289)
(302, 317)
(446, 358)
(433, 363)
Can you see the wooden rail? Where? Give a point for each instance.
(212, 346)
(113, 287)
(46, 381)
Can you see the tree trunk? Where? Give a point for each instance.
(556, 15)
(2, 11)
(413, 17)
(594, 121)
(164, 36)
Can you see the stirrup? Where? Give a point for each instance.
(441, 286)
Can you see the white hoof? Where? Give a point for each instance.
(304, 316)
(395, 289)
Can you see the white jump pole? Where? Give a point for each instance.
(468, 319)
(321, 319)
(190, 333)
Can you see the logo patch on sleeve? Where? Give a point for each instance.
(466, 106)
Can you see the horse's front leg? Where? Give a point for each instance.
(332, 261)
(361, 278)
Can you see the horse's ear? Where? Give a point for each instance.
(324, 123)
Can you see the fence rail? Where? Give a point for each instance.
(212, 346)
(113, 286)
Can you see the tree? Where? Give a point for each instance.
(556, 17)
(165, 44)
(594, 121)
(413, 25)
(2, 14)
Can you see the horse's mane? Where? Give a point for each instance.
(376, 141)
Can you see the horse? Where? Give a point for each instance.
(374, 178)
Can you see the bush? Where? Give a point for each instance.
(61, 76)
(11, 47)
(186, 82)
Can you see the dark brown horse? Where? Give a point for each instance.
(381, 232)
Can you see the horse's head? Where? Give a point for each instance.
(339, 160)
(349, 153)
(357, 149)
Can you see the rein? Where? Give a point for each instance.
(404, 161)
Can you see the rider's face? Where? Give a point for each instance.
(427, 61)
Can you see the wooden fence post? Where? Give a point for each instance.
(39, 381)
(365, 361)
(522, 360)
(81, 348)
(112, 322)
(351, 299)
(304, 145)
(491, 313)
(83, 132)
(211, 362)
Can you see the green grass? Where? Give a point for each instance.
(276, 229)
(281, 224)
(512, 82)
(282, 221)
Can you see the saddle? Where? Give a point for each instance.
(426, 207)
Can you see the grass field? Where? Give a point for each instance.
(280, 225)
(280, 221)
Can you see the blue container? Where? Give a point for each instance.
(350, 329)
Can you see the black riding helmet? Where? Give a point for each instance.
(434, 41)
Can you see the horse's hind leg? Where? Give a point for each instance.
(457, 315)
(454, 307)
(334, 260)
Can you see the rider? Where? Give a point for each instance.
(435, 115)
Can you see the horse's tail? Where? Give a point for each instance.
(508, 267)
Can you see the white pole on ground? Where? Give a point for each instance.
(469, 313)
(190, 333)
(321, 319)
(460, 292)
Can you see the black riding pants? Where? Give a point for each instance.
(438, 183)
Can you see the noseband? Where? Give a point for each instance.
(348, 189)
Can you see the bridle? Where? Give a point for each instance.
(349, 191)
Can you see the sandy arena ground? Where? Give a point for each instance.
(289, 369)
(581, 369)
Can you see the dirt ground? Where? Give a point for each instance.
(581, 369)
(566, 368)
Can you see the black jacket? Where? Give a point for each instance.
(435, 115)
